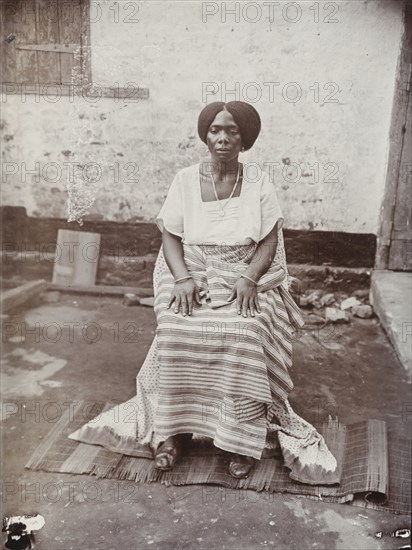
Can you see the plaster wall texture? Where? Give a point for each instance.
(324, 91)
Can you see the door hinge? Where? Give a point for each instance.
(59, 48)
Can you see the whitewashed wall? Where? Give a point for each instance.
(182, 51)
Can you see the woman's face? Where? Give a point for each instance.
(223, 138)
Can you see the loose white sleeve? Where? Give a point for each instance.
(269, 207)
(170, 216)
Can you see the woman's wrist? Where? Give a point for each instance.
(182, 279)
(249, 279)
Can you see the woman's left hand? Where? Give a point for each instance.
(246, 296)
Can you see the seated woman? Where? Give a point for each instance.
(219, 364)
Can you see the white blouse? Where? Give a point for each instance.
(249, 217)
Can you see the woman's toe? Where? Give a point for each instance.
(164, 462)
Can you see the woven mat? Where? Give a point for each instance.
(375, 466)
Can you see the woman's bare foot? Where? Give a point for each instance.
(170, 451)
(241, 466)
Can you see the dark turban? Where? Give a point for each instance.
(245, 116)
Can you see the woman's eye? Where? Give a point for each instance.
(232, 132)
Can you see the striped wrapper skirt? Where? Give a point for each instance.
(218, 374)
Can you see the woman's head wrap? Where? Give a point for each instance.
(245, 116)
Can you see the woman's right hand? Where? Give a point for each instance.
(183, 295)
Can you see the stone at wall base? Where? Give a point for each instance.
(363, 311)
(131, 300)
(335, 315)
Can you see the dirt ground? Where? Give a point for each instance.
(85, 348)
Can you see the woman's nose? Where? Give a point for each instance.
(223, 138)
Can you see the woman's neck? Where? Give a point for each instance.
(221, 169)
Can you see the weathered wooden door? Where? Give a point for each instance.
(394, 250)
(44, 42)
